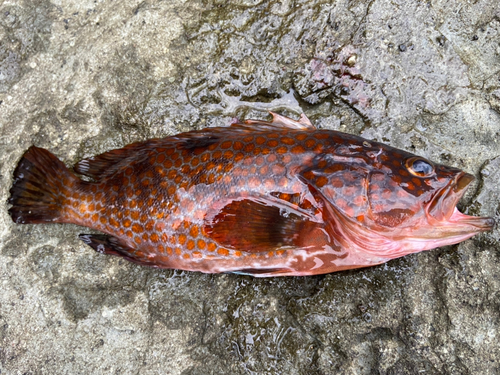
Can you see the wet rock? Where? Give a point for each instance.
(81, 78)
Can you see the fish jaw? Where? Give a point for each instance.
(446, 225)
(430, 234)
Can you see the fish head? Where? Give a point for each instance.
(414, 201)
(390, 202)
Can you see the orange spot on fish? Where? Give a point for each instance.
(416, 181)
(226, 144)
(195, 162)
(386, 194)
(359, 200)
(269, 183)
(149, 225)
(211, 247)
(239, 156)
(283, 182)
(136, 228)
(253, 182)
(160, 158)
(282, 150)
(310, 143)
(190, 245)
(278, 169)
(249, 147)
(341, 203)
(201, 244)
(272, 143)
(182, 239)
(349, 190)
(321, 181)
(260, 140)
(271, 158)
(223, 252)
(194, 231)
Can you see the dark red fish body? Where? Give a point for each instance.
(261, 198)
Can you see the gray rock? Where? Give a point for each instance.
(83, 77)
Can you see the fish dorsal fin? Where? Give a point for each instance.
(255, 226)
(107, 163)
(278, 122)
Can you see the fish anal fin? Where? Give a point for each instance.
(256, 226)
(110, 245)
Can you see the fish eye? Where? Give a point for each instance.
(419, 167)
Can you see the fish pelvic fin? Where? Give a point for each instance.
(41, 185)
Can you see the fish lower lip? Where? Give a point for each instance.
(481, 223)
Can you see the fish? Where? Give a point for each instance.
(260, 198)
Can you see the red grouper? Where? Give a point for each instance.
(279, 198)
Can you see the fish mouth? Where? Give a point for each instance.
(443, 208)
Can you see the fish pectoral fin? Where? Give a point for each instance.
(255, 225)
(104, 244)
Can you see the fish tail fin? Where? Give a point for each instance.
(41, 187)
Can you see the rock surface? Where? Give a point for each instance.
(83, 77)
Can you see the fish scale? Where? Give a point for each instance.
(260, 198)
